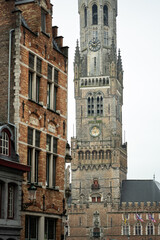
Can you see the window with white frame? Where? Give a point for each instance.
(31, 227)
(50, 229)
(33, 154)
(125, 229)
(52, 88)
(4, 143)
(34, 78)
(51, 148)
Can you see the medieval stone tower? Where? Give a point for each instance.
(99, 162)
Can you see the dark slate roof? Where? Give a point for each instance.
(140, 191)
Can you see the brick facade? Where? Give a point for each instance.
(42, 105)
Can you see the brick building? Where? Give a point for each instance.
(105, 205)
(11, 177)
(33, 102)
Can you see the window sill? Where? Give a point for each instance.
(51, 110)
(31, 100)
(46, 34)
(56, 188)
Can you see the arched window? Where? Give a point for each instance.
(105, 15)
(90, 104)
(80, 155)
(94, 14)
(101, 154)
(87, 155)
(85, 17)
(125, 229)
(4, 143)
(94, 155)
(99, 105)
(108, 154)
(138, 229)
(150, 229)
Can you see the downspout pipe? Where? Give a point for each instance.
(9, 86)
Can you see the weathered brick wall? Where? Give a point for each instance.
(23, 109)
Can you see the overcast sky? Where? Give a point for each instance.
(138, 37)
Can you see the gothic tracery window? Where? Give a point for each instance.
(105, 15)
(94, 14)
(94, 155)
(99, 105)
(87, 155)
(138, 229)
(80, 155)
(150, 228)
(101, 154)
(108, 154)
(90, 106)
(125, 229)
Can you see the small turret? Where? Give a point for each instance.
(119, 68)
(77, 62)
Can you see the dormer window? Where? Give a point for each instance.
(4, 143)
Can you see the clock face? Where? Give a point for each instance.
(95, 131)
(94, 45)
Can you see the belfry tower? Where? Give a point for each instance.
(99, 157)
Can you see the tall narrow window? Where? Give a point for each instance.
(48, 95)
(43, 21)
(39, 65)
(55, 76)
(105, 38)
(126, 229)
(37, 88)
(51, 147)
(31, 228)
(30, 86)
(4, 144)
(105, 15)
(10, 201)
(150, 229)
(33, 154)
(94, 14)
(55, 98)
(35, 66)
(0, 199)
(85, 17)
(50, 229)
(138, 229)
(99, 105)
(95, 35)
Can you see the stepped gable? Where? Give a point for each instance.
(140, 191)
